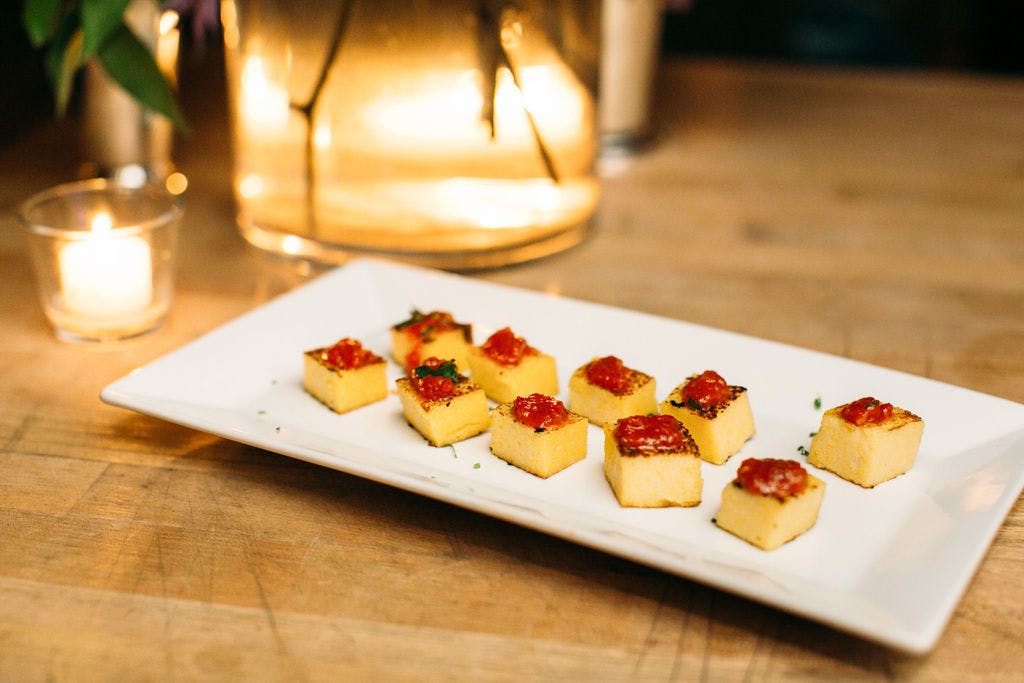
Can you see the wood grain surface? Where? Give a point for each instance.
(874, 215)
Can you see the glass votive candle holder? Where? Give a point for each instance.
(104, 257)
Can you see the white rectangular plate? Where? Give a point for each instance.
(888, 563)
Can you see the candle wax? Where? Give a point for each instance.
(106, 276)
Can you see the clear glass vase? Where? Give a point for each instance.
(454, 133)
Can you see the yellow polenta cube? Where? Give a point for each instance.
(434, 334)
(603, 406)
(650, 479)
(768, 521)
(344, 388)
(534, 373)
(870, 453)
(719, 430)
(539, 451)
(445, 421)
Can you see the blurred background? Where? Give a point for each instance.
(979, 35)
(972, 35)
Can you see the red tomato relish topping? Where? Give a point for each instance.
(609, 373)
(349, 354)
(540, 412)
(706, 390)
(867, 410)
(649, 434)
(435, 380)
(420, 327)
(772, 477)
(505, 348)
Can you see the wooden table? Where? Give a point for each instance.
(877, 216)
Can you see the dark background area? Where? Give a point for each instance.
(974, 35)
(981, 36)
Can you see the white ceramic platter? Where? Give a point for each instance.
(888, 563)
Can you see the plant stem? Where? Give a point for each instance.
(494, 55)
(309, 107)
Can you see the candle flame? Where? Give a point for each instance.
(444, 112)
(168, 22)
(102, 223)
(264, 102)
(322, 137)
(291, 245)
(250, 186)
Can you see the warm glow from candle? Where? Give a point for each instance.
(176, 183)
(250, 186)
(102, 223)
(168, 22)
(443, 109)
(229, 24)
(552, 96)
(167, 45)
(446, 111)
(322, 137)
(291, 245)
(264, 105)
(106, 275)
(441, 137)
(492, 205)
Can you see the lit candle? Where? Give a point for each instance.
(264, 106)
(443, 115)
(455, 128)
(106, 275)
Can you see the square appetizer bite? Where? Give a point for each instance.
(441, 404)
(652, 461)
(717, 414)
(431, 335)
(866, 441)
(507, 367)
(537, 434)
(345, 376)
(770, 502)
(604, 390)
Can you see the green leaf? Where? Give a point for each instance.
(58, 44)
(63, 61)
(414, 317)
(100, 19)
(40, 20)
(445, 369)
(131, 65)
